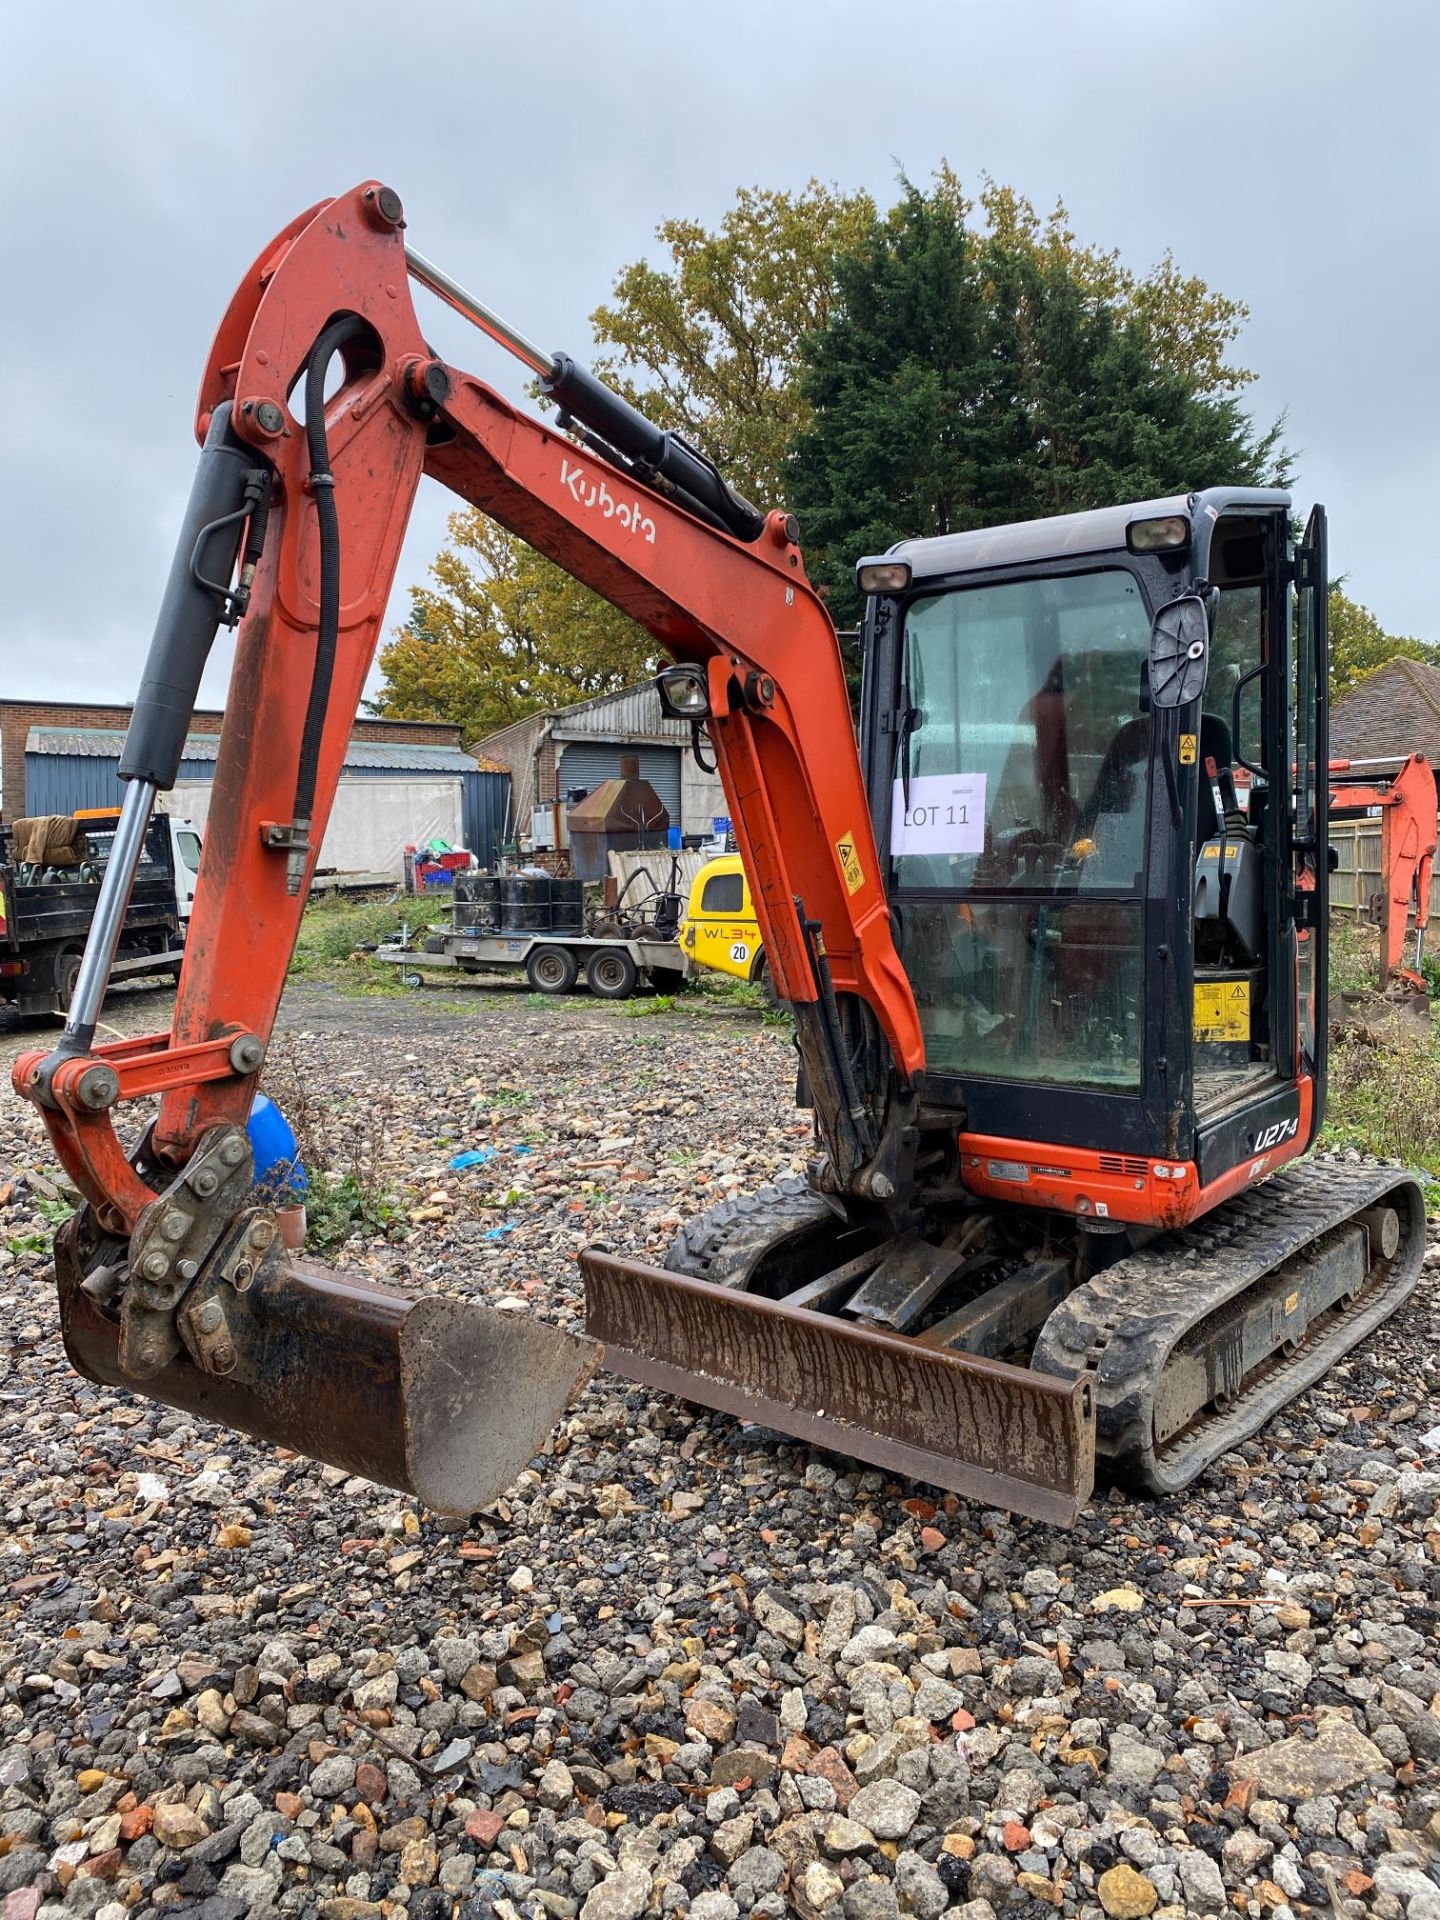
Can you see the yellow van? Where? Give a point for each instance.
(720, 929)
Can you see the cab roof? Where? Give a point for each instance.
(1065, 535)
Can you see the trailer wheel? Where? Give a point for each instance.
(67, 971)
(667, 979)
(551, 969)
(611, 974)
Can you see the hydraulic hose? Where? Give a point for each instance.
(322, 485)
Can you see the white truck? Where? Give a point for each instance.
(185, 846)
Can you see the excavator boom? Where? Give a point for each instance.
(172, 1278)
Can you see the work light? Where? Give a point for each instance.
(683, 692)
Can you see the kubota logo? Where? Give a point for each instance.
(587, 492)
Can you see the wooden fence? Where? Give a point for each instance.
(656, 864)
(1357, 878)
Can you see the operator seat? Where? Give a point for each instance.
(1215, 745)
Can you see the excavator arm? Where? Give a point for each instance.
(172, 1277)
(1403, 800)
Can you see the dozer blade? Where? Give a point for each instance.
(440, 1398)
(995, 1433)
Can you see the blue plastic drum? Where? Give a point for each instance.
(280, 1174)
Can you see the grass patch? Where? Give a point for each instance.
(1384, 1095)
(1384, 1072)
(334, 930)
(725, 990)
(645, 1009)
(1354, 954)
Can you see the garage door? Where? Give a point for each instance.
(584, 765)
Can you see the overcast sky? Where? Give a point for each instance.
(1288, 153)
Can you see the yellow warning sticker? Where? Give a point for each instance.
(1222, 1010)
(1187, 749)
(850, 863)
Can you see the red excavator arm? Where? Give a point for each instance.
(307, 517)
(1403, 798)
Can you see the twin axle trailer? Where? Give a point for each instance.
(612, 967)
(533, 921)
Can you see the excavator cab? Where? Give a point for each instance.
(1114, 943)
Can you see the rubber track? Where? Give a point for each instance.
(1124, 1324)
(723, 1244)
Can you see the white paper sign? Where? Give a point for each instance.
(946, 814)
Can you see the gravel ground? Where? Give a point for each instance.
(683, 1666)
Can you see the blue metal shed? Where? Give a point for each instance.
(67, 768)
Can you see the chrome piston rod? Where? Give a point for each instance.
(456, 296)
(105, 927)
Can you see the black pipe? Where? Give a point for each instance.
(666, 455)
(322, 485)
(192, 608)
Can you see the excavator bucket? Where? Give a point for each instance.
(979, 1427)
(438, 1397)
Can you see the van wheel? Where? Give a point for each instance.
(611, 974)
(551, 969)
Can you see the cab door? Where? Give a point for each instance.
(1309, 840)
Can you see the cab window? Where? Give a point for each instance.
(723, 893)
(1018, 826)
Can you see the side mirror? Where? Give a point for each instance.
(1179, 652)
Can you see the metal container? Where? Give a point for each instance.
(525, 903)
(567, 906)
(477, 901)
(619, 814)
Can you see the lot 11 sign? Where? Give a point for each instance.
(946, 814)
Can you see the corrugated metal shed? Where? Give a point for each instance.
(70, 767)
(586, 763)
(361, 756)
(632, 715)
(629, 720)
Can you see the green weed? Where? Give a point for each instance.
(335, 934)
(338, 1205)
(1354, 954)
(646, 1009)
(1384, 1095)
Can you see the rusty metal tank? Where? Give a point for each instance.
(620, 814)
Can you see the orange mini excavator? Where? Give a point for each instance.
(1058, 1002)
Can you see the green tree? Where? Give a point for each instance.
(708, 343)
(976, 371)
(503, 632)
(1359, 644)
